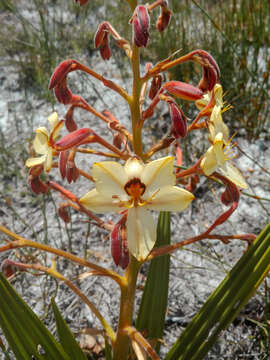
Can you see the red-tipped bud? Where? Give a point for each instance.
(101, 40)
(72, 139)
(119, 247)
(72, 171)
(230, 195)
(63, 93)
(155, 86)
(183, 90)
(82, 2)
(164, 17)
(34, 181)
(37, 186)
(70, 122)
(60, 73)
(141, 23)
(211, 72)
(7, 268)
(63, 157)
(63, 213)
(179, 121)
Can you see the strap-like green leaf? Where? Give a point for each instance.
(23, 329)
(225, 302)
(151, 316)
(66, 337)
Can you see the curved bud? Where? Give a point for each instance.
(61, 72)
(63, 213)
(72, 139)
(82, 2)
(230, 195)
(119, 247)
(155, 86)
(70, 122)
(63, 93)
(63, 157)
(211, 72)
(7, 268)
(179, 120)
(164, 17)
(141, 23)
(183, 90)
(37, 185)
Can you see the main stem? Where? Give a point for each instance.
(135, 103)
(128, 289)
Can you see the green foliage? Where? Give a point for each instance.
(155, 295)
(225, 302)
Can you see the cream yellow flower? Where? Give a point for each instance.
(42, 143)
(217, 157)
(137, 187)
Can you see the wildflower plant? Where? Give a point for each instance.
(134, 179)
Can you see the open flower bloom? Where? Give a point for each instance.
(43, 143)
(217, 157)
(216, 123)
(137, 188)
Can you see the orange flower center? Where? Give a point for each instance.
(135, 189)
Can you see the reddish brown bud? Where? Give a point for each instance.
(63, 93)
(211, 72)
(72, 171)
(155, 86)
(82, 2)
(119, 247)
(141, 22)
(230, 195)
(72, 139)
(183, 90)
(37, 185)
(179, 121)
(101, 40)
(164, 17)
(70, 122)
(63, 157)
(7, 268)
(63, 213)
(60, 73)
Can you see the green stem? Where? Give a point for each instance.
(135, 103)
(128, 290)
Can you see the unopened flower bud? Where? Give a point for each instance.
(141, 23)
(179, 120)
(164, 17)
(101, 40)
(34, 181)
(82, 2)
(211, 72)
(72, 139)
(63, 213)
(7, 268)
(61, 71)
(230, 195)
(63, 93)
(119, 247)
(183, 90)
(155, 86)
(70, 122)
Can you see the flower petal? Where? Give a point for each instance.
(53, 120)
(170, 198)
(209, 162)
(35, 161)
(141, 232)
(110, 179)
(157, 174)
(48, 160)
(133, 168)
(40, 142)
(233, 174)
(98, 203)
